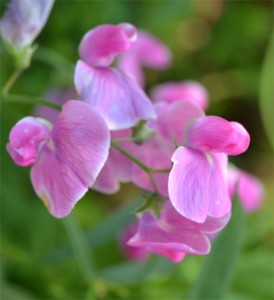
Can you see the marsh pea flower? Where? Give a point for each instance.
(172, 235)
(198, 181)
(147, 51)
(20, 25)
(113, 94)
(65, 157)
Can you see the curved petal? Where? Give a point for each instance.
(197, 185)
(215, 134)
(100, 45)
(72, 159)
(173, 119)
(186, 90)
(157, 236)
(26, 140)
(118, 99)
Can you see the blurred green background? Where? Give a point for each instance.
(223, 44)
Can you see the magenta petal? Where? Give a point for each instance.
(187, 90)
(26, 140)
(118, 99)
(215, 134)
(72, 159)
(173, 119)
(100, 45)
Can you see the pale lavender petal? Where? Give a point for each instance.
(173, 119)
(26, 140)
(103, 43)
(72, 159)
(118, 99)
(186, 90)
(198, 184)
(23, 21)
(215, 134)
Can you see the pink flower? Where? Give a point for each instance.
(186, 90)
(248, 187)
(132, 253)
(114, 95)
(198, 185)
(173, 235)
(66, 157)
(149, 52)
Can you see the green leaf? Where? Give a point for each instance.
(267, 92)
(218, 268)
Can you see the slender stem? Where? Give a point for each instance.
(130, 139)
(80, 247)
(12, 98)
(160, 170)
(130, 156)
(11, 81)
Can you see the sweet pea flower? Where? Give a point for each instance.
(173, 236)
(186, 90)
(248, 187)
(147, 51)
(65, 157)
(198, 181)
(120, 101)
(21, 24)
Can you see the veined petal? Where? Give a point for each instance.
(103, 43)
(215, 134)
(186, 90)
(197, 185)
(118, 99)
(26, 140)
(72, 158)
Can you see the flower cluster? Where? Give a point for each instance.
(115, 133)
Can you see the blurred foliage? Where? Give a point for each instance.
(220, 43)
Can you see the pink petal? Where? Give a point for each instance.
(215, 134)
(173, 119)
(157, 236)
(197, 185)
(26, 140)
(103, 43)
(72, 159)
(186, 90)
(119, 100)
(118, 168)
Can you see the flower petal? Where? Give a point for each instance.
(197, 185)
(118, 99)
(215, 134)
(173, 119)
(26, 140)
(100, 45)
(72, 159)
(186, 90)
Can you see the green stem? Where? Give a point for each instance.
(131, 157)
(22, 99)
(11, 81)
(80, 247)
